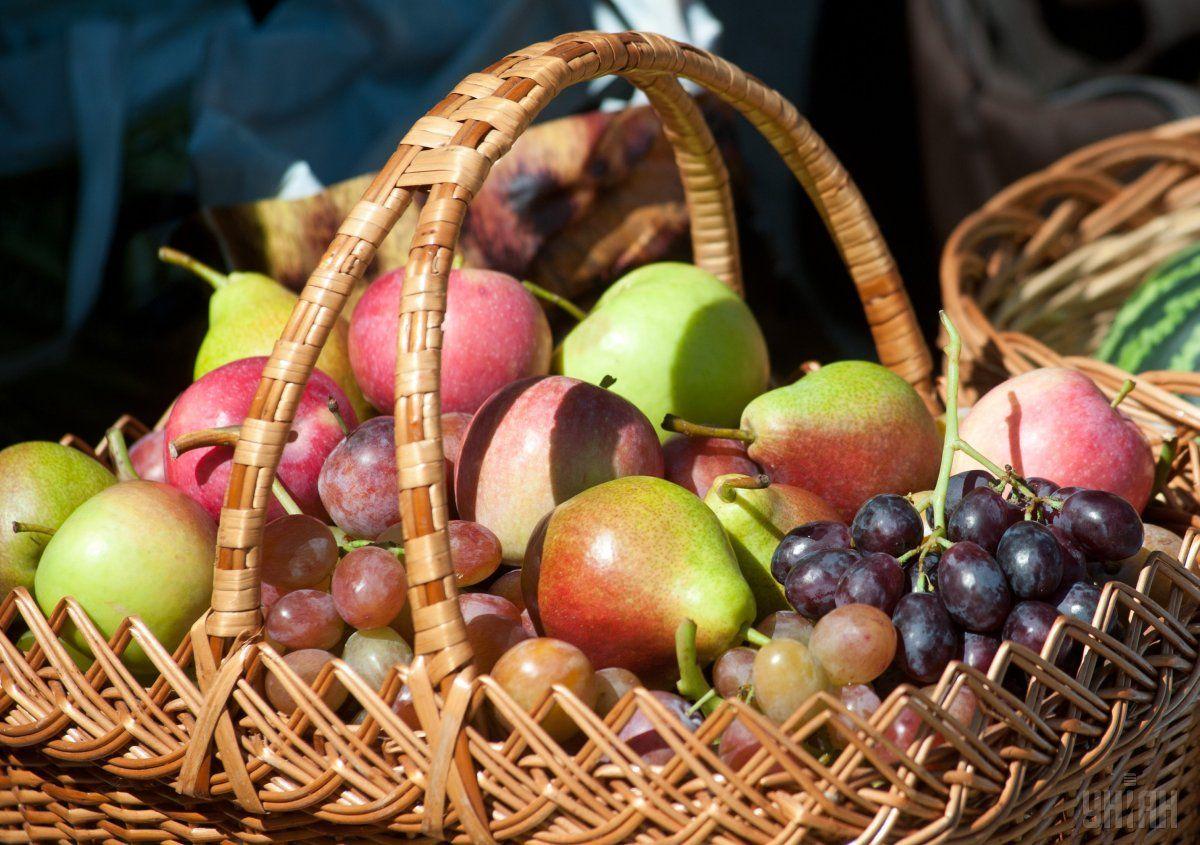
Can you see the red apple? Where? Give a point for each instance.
(1055, 423)
(695, 462)
(494, 332)
(538, 442)
(222, 397)
(147, 455)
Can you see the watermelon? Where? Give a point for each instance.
(1158, 327)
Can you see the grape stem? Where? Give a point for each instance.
(756, 637)
(119, 450)
(692, 684)
(228, 436)
(556, 299)
(681, 426)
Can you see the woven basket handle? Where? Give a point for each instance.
(448, 153)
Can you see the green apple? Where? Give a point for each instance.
(138, 548)
(676, 340)
(755, 516)
(40, 484)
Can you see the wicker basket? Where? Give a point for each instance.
(200, 755)
(1034, 278)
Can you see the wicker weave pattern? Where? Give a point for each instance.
(201, 756)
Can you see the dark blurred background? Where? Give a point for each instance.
(122, 122)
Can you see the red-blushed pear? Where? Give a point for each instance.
(494, 332)
(695, 462)
(617, 568)
(1055, 423)
(539, 441)
(138, 548)
(756, 515)
(846, 432)
(222, 397)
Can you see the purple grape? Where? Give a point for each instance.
(972, 588)
(813, 580)
(1104, 525)
(982, 517)
(878, 581)
(928, 640)
(1029, 624)
(1074, 561)
(930, 565)
(1080, 601)
(1059, 495)
(806, 538)
(1031, 559)
(962, 483)
(979, 650)
(644, 739)
(886, 523)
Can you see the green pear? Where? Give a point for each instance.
(755, 515)
(138, 548)
(676, 340)
(79, 658)
(246, 315)
(40, 485)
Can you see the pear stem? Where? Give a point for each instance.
(556, 299)
(31, 528)
(119, 449)
(756, 637)
(1125, 390)
(681, 426)
(1162, 469)
(228, 436)
(692, 684)
(726, 489)
(181, 259)
(332, 405)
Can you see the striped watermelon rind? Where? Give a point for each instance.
(1158, 327)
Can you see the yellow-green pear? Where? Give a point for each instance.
(246, 315)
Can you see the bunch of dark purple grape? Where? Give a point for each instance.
(1015, 554)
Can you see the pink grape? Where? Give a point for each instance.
(530, 668)
(369, 587)
(307, 663)
(358, 480)
(474, 552)
(854, 643)
(508, 586)
(493, 627)
(738, 745)
(859, 699)
(731, 672)
(268, 594)
(304, 619)
(611, 685)
(404, 708)
(644, 739)
(787, 625)
(298, 551)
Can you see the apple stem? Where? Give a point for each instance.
(692, 684)
(228, 436)
(31, 528)
(1125, 390)
(681, 426)
(725, 490)
(556, 299)
(756, 637)
(119, 449)
(336, 410)
(181, 259)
